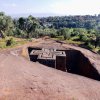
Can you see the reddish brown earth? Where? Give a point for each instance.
(21, 79)
(94, 59)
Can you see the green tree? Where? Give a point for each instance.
(66, 32)
(6, 25)
(97, 40)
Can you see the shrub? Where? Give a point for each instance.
(10, 42)
(83, 38)
(52, 35)
(60, 38)
(66, 36)
(90, 46)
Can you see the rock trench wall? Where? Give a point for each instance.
(76, 62)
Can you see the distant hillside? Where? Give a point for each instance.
(86, 21)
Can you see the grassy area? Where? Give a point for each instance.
(16, 42)
(74, 41)
(61, 38)
(70, 41)
(97, 49)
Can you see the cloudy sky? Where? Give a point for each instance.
(60, 7)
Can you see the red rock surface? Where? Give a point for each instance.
(21, 79)
(93, 58)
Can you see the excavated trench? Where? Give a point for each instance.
(76, 63)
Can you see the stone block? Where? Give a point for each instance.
(50, 57)
(61, 61)
(48, 60)
(34, 55)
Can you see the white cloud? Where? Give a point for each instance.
(34, 10)
(76, 7)
(9, 5)
(59, 7)
(13, 5)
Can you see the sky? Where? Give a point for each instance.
(57, 7)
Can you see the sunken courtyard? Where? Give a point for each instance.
(71, 61)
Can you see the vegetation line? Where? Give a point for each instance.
(83, 31)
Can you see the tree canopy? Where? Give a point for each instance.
(77, 28)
